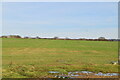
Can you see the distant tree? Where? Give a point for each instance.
(101, 38)
(26, 37)
(82, 38)
(37, 37)
(67, 38)
(3, 36)
(55, 37)
(14, 36)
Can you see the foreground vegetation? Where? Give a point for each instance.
(24, 58)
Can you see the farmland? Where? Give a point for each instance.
(24, 58)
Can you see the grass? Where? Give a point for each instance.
(35, 57)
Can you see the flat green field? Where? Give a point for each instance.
(35, 57)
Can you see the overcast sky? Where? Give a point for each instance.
(62, 19)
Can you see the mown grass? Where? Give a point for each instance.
(35, 57)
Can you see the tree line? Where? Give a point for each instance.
(57, 38)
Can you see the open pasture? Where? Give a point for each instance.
(36, 57)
